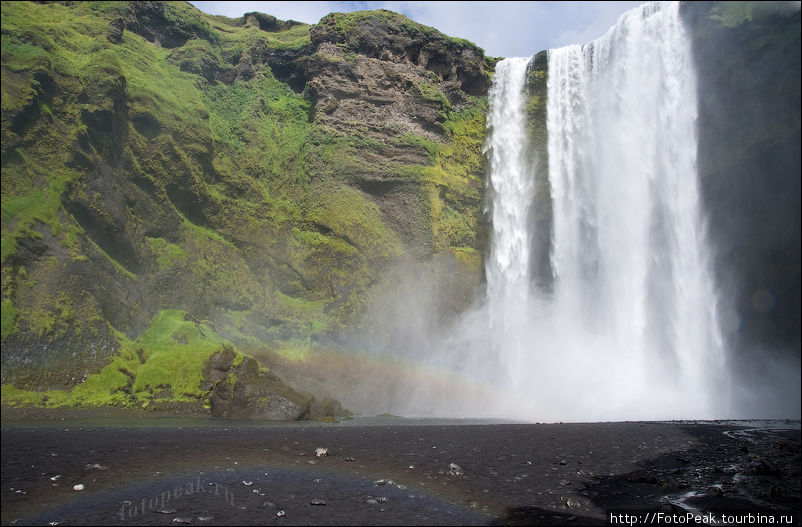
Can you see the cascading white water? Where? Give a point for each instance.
(630, 329)
(511, 185)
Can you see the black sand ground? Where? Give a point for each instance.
(169, 472)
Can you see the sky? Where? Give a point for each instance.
(502, 29)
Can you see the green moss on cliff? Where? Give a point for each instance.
(32, 193)
(262, 127)
(168, 254)
(355, 220)
(346, 22)
(175, 350)
(454, 181)
(733, 14)
(147, 173)
(166, 362)
(432, 93)
(469, 258)
(9, 318)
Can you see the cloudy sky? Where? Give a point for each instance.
(502, 29)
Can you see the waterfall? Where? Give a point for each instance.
(629, 329)
(511, 186)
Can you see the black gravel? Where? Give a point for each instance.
(396, 474)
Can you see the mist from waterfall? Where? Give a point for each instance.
(624, 326)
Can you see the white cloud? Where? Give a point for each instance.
(308, 12)
(594, 19)
(503, 29)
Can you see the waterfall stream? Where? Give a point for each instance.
(629, 329)
(510, 181)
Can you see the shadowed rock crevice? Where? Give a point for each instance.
(150, 20)
(108, 234)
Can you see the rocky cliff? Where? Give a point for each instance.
(747, 57)
(263, 178)
(748, 68)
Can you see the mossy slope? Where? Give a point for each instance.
(166, 362)
(157, 158)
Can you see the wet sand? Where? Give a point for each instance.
(390, 471)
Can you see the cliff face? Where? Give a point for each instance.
(748, 64)
(536, 90)
(405, 90)
(260, 175)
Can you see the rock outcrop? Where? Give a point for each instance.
(244, 392)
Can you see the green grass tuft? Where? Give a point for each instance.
(9, 318)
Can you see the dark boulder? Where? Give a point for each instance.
(149, 20)
(248, 394)
(115, 31)
(245, 392)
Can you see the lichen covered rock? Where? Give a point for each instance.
(245, 392)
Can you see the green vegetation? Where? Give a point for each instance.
(117, 265)
(23, 204)
(175, 350)
(469, 258)
(142, 181)
(261, 129)
(54, 320)
(765, 40)
(9, 317)
(166, 361)
(167, 254)
(454, 182)
(354, 219)
(733, 14)
(346, 22)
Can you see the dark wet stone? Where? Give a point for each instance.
(714, 491)
(765, 468)
(455, 470)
